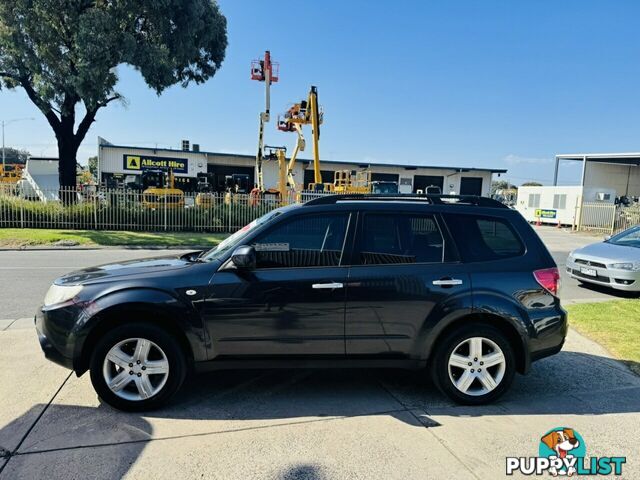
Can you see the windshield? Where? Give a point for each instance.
(628, 238)
(236, 239)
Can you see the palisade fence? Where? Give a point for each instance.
(608, 218)
(117, 209)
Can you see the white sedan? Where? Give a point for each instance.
(614, 263)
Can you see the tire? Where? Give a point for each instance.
(115, 355)
(459, 341)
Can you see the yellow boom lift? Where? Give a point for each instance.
(307, 112)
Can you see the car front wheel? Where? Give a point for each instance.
(474, 365)
(137, 367)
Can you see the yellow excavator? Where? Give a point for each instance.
(160, 190)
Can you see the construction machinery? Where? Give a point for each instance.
(263, 71)
(346, 181)
(11, 173)
(306, 112)
(160, 190)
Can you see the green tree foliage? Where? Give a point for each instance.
(501, 185)
(64, 54)
(531, 184)
(93, 166)
(14, 155)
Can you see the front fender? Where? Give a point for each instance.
(158, 303)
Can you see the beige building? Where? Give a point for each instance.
(120, 163)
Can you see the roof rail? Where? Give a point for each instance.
(410, 197)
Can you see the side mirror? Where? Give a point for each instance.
(244, 257)
(607, 238)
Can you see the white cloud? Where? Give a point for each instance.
(512, 159)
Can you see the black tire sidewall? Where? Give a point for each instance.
(171, 348)
(440, 365)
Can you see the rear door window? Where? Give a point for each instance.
(482, 239)
(396, 239)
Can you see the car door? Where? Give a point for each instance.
(405, 273)
(292, 303)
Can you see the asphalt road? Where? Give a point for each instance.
(294, 424)
(27, 274)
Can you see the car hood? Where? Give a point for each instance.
(128, 268)
(609, 252)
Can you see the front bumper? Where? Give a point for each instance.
(55, 334)
(625, 280)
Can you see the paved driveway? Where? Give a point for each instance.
(292, 424)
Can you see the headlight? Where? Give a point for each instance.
(632, 266)
(59, 293)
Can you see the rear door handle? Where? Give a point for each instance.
(327, 286)
(447, 282)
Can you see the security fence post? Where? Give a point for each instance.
(165, 211)
(95, 210)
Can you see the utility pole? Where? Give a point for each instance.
(4, 124)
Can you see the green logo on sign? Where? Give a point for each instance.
(542, 213)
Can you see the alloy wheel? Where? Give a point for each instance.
(135, 369)
(476, 366)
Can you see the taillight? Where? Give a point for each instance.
(549, 279)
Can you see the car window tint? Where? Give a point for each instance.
(393, 239)
(308, 241)
(483, 238)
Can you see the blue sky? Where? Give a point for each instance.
(503, 84)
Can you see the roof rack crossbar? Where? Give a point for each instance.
(431, 198)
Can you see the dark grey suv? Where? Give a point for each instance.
(459, 286)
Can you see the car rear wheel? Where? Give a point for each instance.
(137, 367)
(474, 364)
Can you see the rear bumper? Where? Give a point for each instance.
(549, 334)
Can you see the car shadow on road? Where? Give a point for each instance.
(596, 385)
(27, 456)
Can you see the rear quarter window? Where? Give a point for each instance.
(482, 239)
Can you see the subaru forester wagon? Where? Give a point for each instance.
(459, 287)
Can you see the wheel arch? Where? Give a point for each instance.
(121, 314)
(505, 326)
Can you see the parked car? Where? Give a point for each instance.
(460, 287)
(614, 263)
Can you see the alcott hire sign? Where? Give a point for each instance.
(143, 162)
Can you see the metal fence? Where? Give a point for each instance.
(608, 218)
(116, 209)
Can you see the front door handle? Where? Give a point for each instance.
(447, 282)
(327, 286)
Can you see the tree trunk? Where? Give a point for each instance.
(67, 153)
